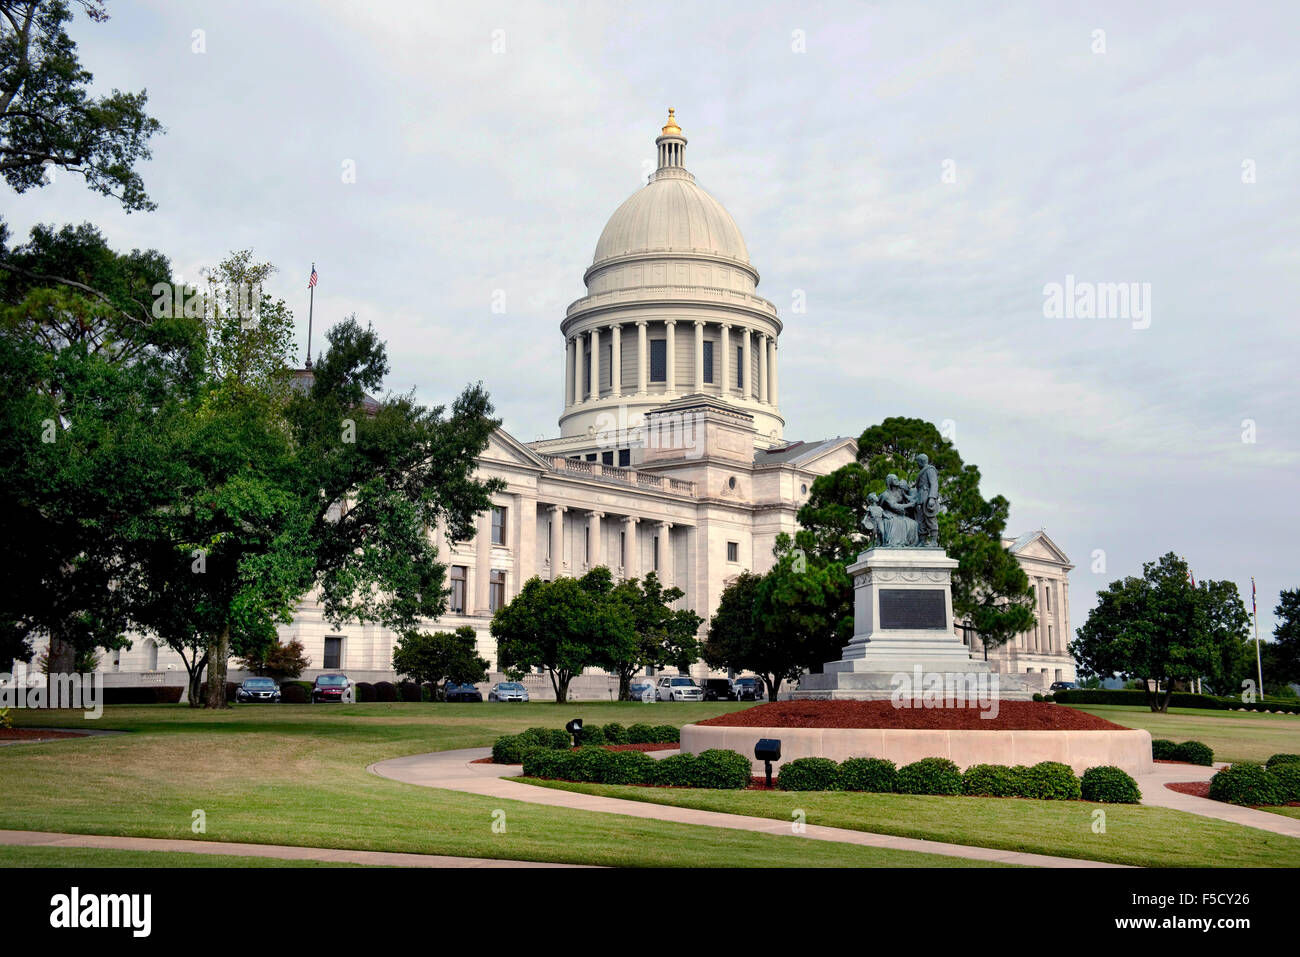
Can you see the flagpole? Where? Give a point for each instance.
(311, 304)
(1259, 667)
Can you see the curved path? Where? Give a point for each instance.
(454, 771)
(1155, 793)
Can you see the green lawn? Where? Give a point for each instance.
(1233, 735)
(295, 774)
(13, 856)
(1142, 836)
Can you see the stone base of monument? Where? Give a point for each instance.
(902, 613)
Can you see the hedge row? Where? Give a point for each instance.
(1255, 784)
(1179, 699)
(1193, 752)
(1048, 780)
(510, 748)
(711, 769)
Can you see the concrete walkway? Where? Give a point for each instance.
(455, 771)
(279, 851)
(1155, 793)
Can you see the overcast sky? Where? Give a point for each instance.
(920, 172)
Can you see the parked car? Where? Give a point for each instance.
(258, 689)
(508, 691)
(678, 688)
(747, 689)
(462, 693)
(1063, 686)
(717, 689)
(641, 691)
(333, 687)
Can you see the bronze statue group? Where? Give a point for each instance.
(906, 514)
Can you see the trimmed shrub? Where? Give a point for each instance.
(509, 748)
(676, 771)
(147, 695)
(666, 733)
(1193, 752)
(363, 690)
(1283, 758)
(385, 691)
(719, 768)
(543, 762)
(549, 737)
(629, 767)
(641, 733)
(593, 765)
(293, 693)
(1109, 785)
(992, 780)
(809, 774)
(929, 776)
(1287, 776)
(408, 691)
(868, 774)
(1049, 781)
(1246, 783)
(1163, 749)
(615, 733)
(592, 735)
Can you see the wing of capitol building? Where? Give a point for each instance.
(672, 455)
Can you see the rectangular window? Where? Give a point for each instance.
(740, 367)
(708, 361)
(456, 601)
(333, 653)
(624, 457)
(549, 539)
(622, 548)
(607, 458)
(586, 554)
(498, 525)
(586, 370)
(655, 547)
(658, 360)
(608, 367)
(733, 551)
(497, 590)
(591, 457)
(1047, 593)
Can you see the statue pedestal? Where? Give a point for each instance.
(902, 614)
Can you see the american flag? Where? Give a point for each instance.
(311, 283)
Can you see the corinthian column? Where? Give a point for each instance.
(640, 357)
(771, 370)
(616, 360)
(724, 370)
(670, 347)
(577, 369)
(762, 368)
(595, 363)
(699, 355)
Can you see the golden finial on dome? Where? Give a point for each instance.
(672, 129)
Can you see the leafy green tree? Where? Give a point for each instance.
(278, 660)
(92, 377)
(48, 117)
(1159, 629)
(1286, 638)
(440, 656)
(658, 634)
(989, 588)
(781, 623)
(552, 625)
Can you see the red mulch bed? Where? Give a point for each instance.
(1171, 761)
(1012, 716)
(1200, 789)
(34, 734)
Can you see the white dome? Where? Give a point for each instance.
(671, 215)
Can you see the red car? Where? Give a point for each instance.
(332, 688)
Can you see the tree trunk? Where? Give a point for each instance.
(624, 686)
(773, 683)
(217, 660)
(1169, 693)
(1151, 698)
(60, 659)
